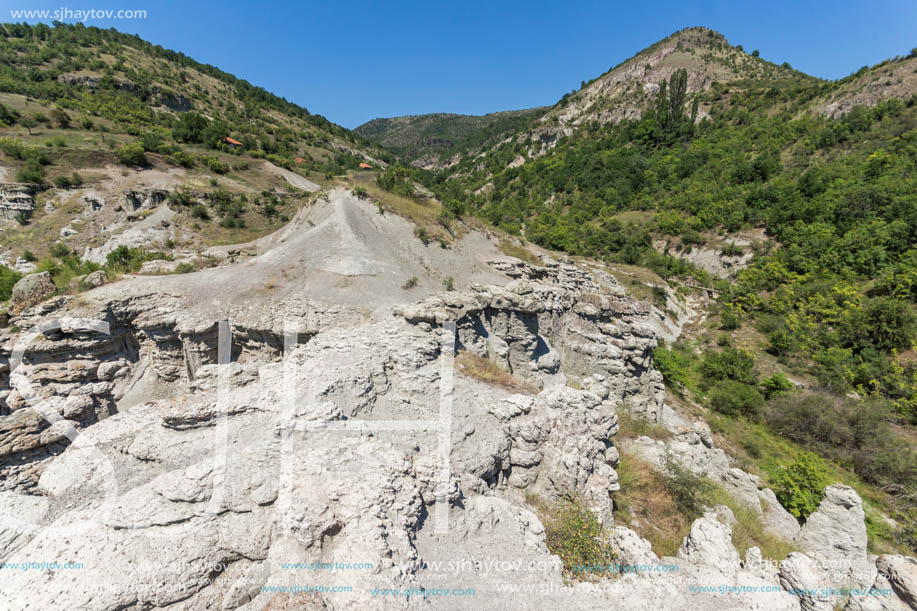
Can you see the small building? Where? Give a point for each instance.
(232, 142)
(365, 166)
(299, 160)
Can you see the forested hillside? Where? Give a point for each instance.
(435, 139)
(829, 297)
(95, 123)
(103, 80)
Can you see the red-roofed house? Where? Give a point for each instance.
(365, 166)
(232, 142)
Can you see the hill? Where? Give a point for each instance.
(435, 140)
(626, 90)
(108, 141)
(765, 219)
(790, 200)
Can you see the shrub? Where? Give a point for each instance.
(674, 366)
(151, 141)
(185, 268)
(573, 533)
(216, 165)
(180, 158)
(59, 250)
(660, 297)
(132, 154)
(800, 485)
(730, 317)
(180, 197)
(62, 182)
(688, 491)
(199, 211)
(885, 322)
(410, 283)
(729, 364)
(855, 433)
(777, 384)
(736, 399)
(359, 192)
(128, 259)
(449, 283)
(32, 173)
(8, 278)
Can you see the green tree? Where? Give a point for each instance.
(800, 485)
(190, 128)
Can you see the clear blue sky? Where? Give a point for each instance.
(356, 60)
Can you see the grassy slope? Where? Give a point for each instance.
(138, 92)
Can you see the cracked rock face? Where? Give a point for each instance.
(204, 473)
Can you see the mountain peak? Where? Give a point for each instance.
(625, 90)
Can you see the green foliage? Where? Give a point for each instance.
(730, 317)
(574, 533)
(185, 268)
(67, 182)
(190, 128)
(800, 485)
(132, 154)
(853, 433)
(215, 165)
(180, 197)
(736, 399)
(776, 385)
(8, 116)
(8, 278)
(689, 492)
(180, 158)
(199, 211)
(62, 119)
(729, 364)
(439, 135)
(59, 250)
(141, 79)
(398, 180)
(126, 259)
(449, 283)
(674, 366)
(34, 159)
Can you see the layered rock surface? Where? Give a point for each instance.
(201, 481)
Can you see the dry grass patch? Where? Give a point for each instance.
(511, 249)
(423, 212)
(631, 427)
(662, 506)
(483, 369)
(645, 505)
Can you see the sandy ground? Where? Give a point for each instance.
(292, 177)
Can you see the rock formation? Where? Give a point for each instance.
(204, 472)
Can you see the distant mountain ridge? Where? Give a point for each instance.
(434, 139)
